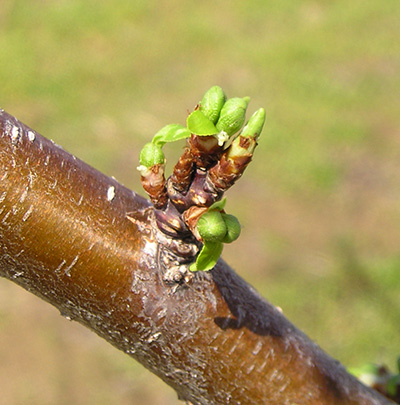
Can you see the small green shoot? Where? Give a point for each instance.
(198, 124)
(208, 256)
(215, 228)
(170, 133)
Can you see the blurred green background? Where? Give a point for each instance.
(319, 204)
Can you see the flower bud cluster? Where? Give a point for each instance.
(218, 150)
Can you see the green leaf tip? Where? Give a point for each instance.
(218, 205)
(198, 124)
(170, 133)
(208, 256)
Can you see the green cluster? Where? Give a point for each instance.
(215, 116)
(222, 118)
(215, 228)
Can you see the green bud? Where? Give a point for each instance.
(212, 103)
(211, 226)
(239, 148)
(232, 226)
(232, 115)
(251, 132)
(151, 155)
(255, 124)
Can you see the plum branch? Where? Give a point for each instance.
(218, 151)
(91, 247)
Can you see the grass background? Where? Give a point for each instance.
(319, 204)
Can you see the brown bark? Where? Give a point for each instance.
(88, 245)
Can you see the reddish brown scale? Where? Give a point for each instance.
(199, 193)
(191, 217)
(155, 186)
(170, 221)
(205, 150)
(245, 142)
(227, 171)
(230, 167)
(183, 171)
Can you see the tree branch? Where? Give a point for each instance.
(88, 245)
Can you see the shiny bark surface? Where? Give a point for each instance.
(90, 247)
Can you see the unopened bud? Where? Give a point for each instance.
(233, 228)
(255, 124)
(151, 155)
(245, 143)
(211, 226)
(232, 115)
(212, 103)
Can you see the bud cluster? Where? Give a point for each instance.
(188, 204)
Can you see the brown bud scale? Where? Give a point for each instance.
(205, 150)
(183, 171)
(199, 193)
(191, 217)
(155, 186)
(227, 171)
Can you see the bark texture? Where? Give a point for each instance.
(89, 246)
